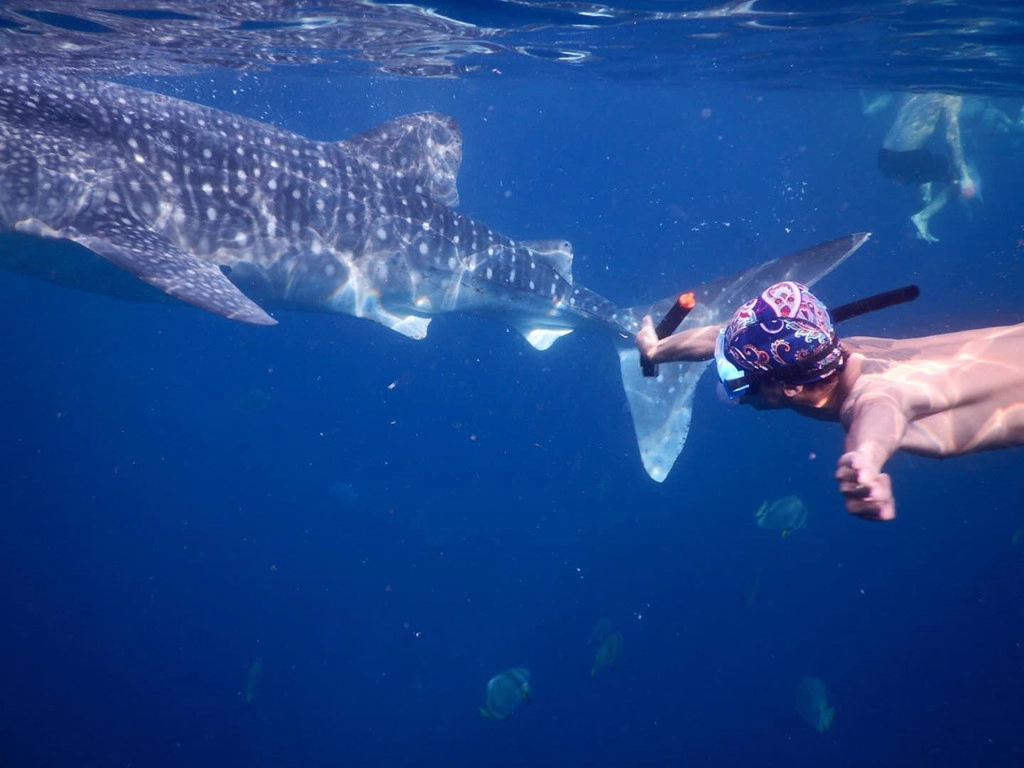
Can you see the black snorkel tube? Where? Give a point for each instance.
(874, 303)
(668, 325)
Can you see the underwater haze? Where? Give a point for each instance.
(314, 544)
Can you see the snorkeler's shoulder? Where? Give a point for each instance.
(868, 382)
(868, 345)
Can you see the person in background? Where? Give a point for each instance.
(906, 158)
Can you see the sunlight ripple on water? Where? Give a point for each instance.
(961, 46)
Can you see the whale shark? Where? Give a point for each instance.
(142, 196)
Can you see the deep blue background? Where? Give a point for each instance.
(162, 530)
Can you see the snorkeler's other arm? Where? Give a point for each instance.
(875, 424)
(692, 345)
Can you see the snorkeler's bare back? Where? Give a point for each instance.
(961, 392)
(918, 117)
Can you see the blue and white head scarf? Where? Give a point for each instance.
(785, 334)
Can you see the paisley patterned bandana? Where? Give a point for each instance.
(786, 335)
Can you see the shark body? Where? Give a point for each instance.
(237, 217)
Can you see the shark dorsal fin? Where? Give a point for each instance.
(556, 253)
(425, 147)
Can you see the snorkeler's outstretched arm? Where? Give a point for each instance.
(875, 424)
(691, 345)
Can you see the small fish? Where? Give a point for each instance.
(787, 514)
(505, 692)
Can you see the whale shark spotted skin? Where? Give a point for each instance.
(238, 216)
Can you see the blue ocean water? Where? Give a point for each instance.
(386, 523)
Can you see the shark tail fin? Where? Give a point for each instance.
(662, 406)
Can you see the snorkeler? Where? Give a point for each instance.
(904, 157)
(935, 396)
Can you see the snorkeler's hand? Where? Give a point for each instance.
(868, 492)
(968, 189)
(647, 338)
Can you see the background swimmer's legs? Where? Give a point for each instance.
(922, 217)
(925, 190)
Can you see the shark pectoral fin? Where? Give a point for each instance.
(174, 271)
(369, 306)
(543, 338)
(413, 326)
(661, 408)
